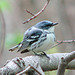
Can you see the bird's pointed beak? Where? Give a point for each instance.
(55, 24)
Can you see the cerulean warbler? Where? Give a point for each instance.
(38, 38)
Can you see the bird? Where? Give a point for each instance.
(37, 39)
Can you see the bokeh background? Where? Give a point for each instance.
(12, 15)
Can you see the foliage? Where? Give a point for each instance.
(13, 39)
(4, 4)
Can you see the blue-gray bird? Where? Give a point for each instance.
(38, 38)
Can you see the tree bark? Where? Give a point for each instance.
(18, 64)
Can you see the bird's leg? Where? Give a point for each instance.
(43, 53)
(37, 54)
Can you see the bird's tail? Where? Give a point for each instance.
(21, 47)
(15, 47)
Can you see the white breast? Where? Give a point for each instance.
(47, 44)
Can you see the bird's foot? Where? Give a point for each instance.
(42, 54)
(37, 54)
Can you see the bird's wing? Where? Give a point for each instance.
(31, 36)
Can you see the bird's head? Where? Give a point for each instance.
(46, 25)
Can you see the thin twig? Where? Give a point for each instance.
(28, 68)
(37, 14)
(29, 12)
(66, 41)
(63, 41)
(24, 71)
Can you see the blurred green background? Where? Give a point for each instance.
(12, 15)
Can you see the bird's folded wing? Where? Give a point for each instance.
(31, 37)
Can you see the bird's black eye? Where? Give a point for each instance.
(49, 25)
(44, 25)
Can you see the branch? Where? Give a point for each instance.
(29, 12)
(63, 41)
(37, 14)
(18, 65)
(64, 62)
(40, 72)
